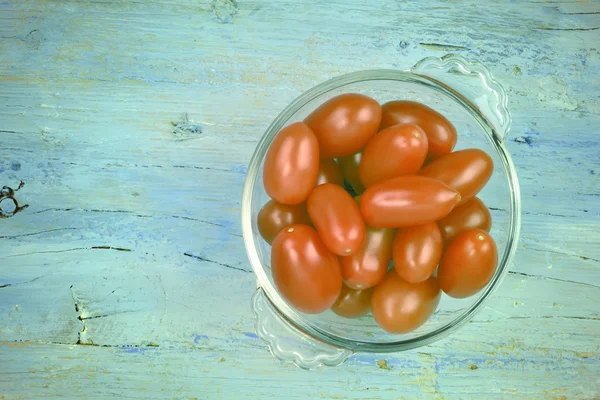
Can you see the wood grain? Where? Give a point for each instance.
(131, 125)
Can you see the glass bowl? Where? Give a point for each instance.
(464, 92)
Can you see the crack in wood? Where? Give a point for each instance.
(37, 233)
(549, 214)
(569, 29)
(552, 279)
(118, 346)
(134, 214)
(77, 310)
(562, 254)
(46, 252)
(576, 13)
(536, 213)
(106, 315)
(534, 317)
(215, 262)
(15, 149)
(73, 249)
(557, 316)
(21, 283)
(438, 46)
(110, 248)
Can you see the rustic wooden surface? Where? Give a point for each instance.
(131, 125)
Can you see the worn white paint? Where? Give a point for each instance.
(93, 98)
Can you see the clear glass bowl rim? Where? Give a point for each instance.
(263, 282)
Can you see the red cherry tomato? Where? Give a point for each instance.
(329, 172)
(406, 201)
(468, 264)
(441, 134)
(344, 124)
(306, 274)
(367, 267)
(470, 215)
(417, 251)
(466, 171)
(291, 164)
(273, 217)
(337, 219)
(349, 165)
(395, 151)
(401, 307)
(352, 303)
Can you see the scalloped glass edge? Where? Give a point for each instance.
(453, 62)
(270, 326)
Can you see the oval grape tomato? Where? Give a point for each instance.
(407, 200)
(306, 274)
(337, 219)
(417, 251)
(367, 267)
(470, 215)
(468, 264)
(352, 303)
(440, 132)
(466, 171)
(401, 307)
(395, 151)
(291, 164)
(344, 124)
(273, 217)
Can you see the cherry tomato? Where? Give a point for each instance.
(440, 132)
(417, 251)
(352, 303)
(349, 165)
(367, 267)
(344, 124)
(291, 164)
(468, 264)
(466, 171)
(306, 274)
(470, 215)
(395, 151)
(273, 217)
(407, 200)
(401, 307)
(329, 172)
(337, 219)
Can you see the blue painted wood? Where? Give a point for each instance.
(131, 125)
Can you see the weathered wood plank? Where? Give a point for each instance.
(205, 372)
(131, 125)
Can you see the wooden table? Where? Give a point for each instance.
(131, 125)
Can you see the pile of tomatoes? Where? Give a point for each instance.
(414, 204)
